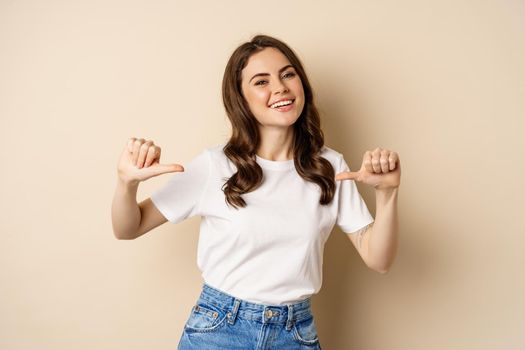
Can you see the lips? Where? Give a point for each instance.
(282, 99)
(286, 108)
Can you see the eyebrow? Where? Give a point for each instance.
(264, 74)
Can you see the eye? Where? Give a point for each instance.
(286, 75)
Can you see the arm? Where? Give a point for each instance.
(138, 162)
(131, 220)
(377, 242)
(383, 236)
(377, 245)
(125, 212)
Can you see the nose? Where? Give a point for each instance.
(280, 87)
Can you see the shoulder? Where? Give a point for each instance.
(216, 151)
(216, 148)
(218, 158)
(334, 157)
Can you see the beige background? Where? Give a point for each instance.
(440, 82)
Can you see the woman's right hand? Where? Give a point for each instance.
(140, 161)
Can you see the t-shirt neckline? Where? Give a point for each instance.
(275, 164)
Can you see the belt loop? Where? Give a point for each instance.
(289, 322)
(233, 314)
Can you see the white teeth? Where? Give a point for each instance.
(282, 103)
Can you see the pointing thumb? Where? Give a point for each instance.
(347, 175)
(167, 168)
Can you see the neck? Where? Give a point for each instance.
(276, 143)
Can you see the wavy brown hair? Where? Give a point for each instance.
(308, 138)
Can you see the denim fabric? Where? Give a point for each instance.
(221, 321)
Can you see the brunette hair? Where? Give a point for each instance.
(308, 139)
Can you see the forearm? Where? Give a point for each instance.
(125, 212)
(382, 245)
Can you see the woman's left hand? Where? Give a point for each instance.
(381, 168)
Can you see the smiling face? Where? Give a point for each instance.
(268, 78)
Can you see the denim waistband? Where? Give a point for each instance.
(264, 313)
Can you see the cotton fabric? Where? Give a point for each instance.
(271, 251)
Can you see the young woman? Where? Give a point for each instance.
(268, 198)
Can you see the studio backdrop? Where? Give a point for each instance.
(440, 82)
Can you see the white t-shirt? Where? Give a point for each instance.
(270, 251)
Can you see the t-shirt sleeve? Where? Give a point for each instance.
(352, 213)
(180, 197)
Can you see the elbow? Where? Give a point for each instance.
(125, 238)
(383, 271)
(379, 269)
(123, 233)
(121, 236)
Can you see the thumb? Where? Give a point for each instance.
(348, 175)
(159, 169)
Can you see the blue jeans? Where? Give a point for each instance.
(221, 321)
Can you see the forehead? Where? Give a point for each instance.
(268, 60)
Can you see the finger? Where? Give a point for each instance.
(383, 161)
(348, 175)
(136, 150)
(392, 160)
(130, 144)
(376, 155)
(143, 152)
(159, 169)
(367, 161)
(152, 155)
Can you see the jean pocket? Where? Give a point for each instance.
(305, 332)
(205, 317)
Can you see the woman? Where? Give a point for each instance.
(269, 198)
